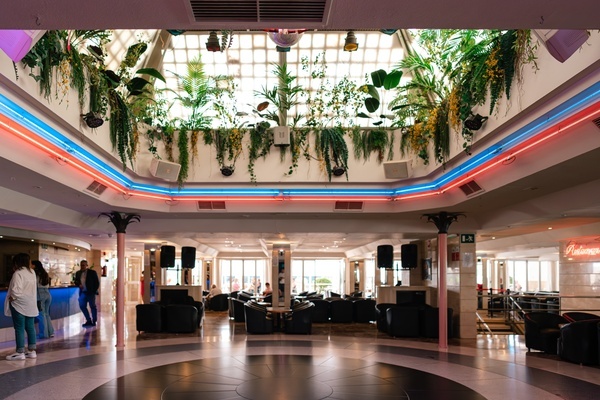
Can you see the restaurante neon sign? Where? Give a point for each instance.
(576, 250)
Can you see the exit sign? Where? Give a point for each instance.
(467, 238)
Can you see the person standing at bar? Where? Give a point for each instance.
(44, 298)
(87, 280)
(21, 305)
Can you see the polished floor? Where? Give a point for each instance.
(338, 361)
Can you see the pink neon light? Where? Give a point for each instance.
(580, 250)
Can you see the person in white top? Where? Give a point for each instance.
(21, 305)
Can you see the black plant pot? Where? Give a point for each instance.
(93, 120)
(227, 171)
(338, 171)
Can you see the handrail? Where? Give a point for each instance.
(482, 322)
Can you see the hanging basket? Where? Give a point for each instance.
(227, 171)
(93, 120)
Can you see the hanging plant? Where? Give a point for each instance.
(299, 146)
(333, 151)
(260, 145)
(184, 157)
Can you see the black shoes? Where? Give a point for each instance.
(88, 324)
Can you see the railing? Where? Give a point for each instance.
(512, 307)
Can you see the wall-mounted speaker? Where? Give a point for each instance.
(396, 169)
(410, 256)
(166, 170)
(167, 256)
(281, 136)
(188, 257)
(385, 256)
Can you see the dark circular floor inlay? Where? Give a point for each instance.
(284, 388)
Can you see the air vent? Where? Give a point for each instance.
(96, 187)
(596, 122)
(471, 188)
(211, 205)
(348, 206)
(260, 10)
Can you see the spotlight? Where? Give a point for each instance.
(350, 42)
(213, 44)
(474, 122)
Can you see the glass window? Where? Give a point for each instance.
(533, 276)
(521, 276)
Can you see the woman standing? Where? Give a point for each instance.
(21, 304)
(44, 299)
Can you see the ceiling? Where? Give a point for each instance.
(297, 14)
(512, 218)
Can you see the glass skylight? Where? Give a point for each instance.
(249, 61)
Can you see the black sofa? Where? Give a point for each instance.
(172, 318)
(403, 321)
(542, 330)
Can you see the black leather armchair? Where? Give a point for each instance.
(300, 321)
(579, 342)
(219, 302)
(149, 317)
(573, 316)
(364, 310)
(381, 316)
(257, 320)
(321, 312)
(542, 331)
(238, 309)
(403, 321)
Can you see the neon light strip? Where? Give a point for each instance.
(41, 135)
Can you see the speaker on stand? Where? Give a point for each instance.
(167, 256)
(385, 256)
(188, 261)
(409, 254)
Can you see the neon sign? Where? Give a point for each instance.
(579, 250)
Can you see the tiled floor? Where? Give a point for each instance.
(338, 361)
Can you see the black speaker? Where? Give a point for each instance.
(385, 256)
(188, 257)
(409, 254)
(167, 256)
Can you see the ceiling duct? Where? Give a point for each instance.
(211, 205)
(471, 188)
(348, 206)
(96, 188)
(299, 13)
(596, 122)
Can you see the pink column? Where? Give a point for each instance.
(442, 291)
(120, 322)
(442, 221)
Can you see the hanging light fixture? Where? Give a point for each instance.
(285, 38)
(213, 44)
(350, 43)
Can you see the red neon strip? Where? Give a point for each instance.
(55, 151)
(418, 196)
(213, 198)
(341, 198)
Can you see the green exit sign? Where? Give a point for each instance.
(467, 238)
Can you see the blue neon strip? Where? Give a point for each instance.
(49, 134)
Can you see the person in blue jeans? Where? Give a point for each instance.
(87, 280)
(45, 328)
(21, 305)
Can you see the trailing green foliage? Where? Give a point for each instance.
(331, 147)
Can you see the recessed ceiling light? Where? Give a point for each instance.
(549, 228)
(33, 240)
